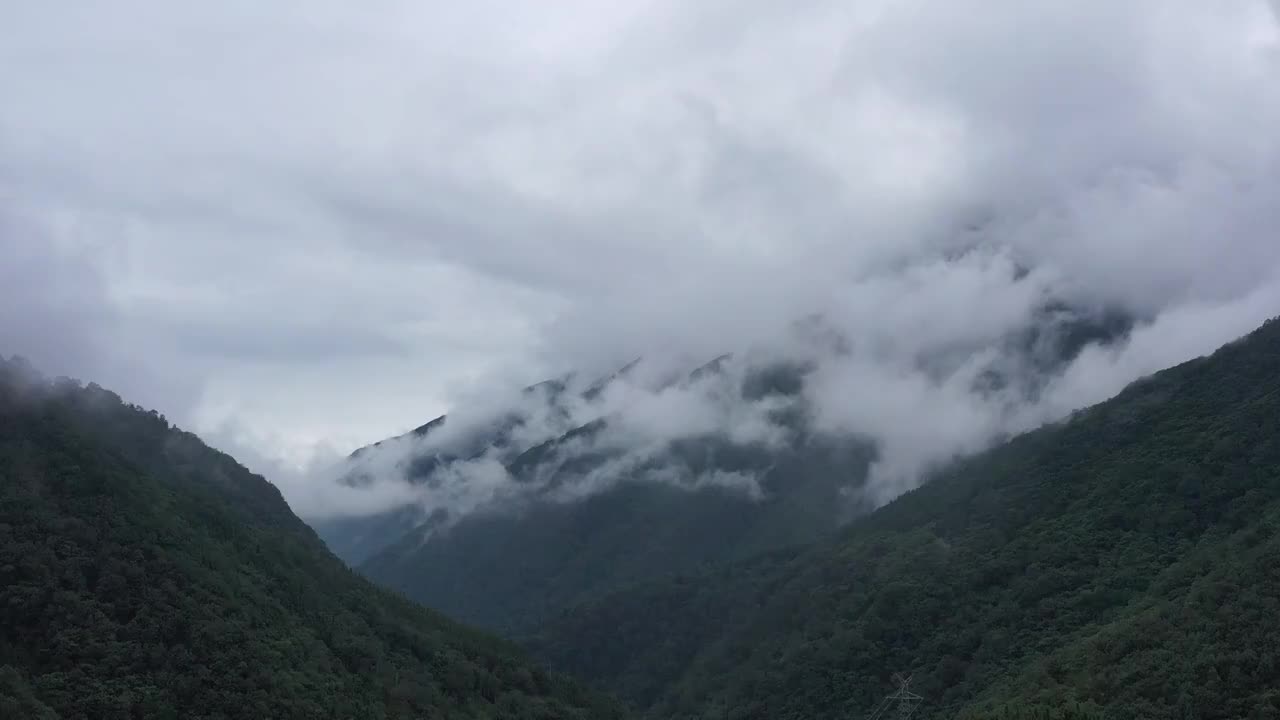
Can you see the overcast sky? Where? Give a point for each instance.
(299, 227)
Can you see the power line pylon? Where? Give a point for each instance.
(903, 701)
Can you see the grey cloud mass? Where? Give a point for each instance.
(300, 228)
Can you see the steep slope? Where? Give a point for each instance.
(511, 570)
(417, 460)
(143, 574)
(356, 539)
(693, 500)
(1125, 562)
(598, 504)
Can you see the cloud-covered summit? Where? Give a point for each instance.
(302, 229)
(733, 422)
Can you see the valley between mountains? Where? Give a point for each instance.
(1121, 563)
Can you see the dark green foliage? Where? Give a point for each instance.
(512, 568)
(510, 571)
(145, 575)
(18, 700)
(1124, 564)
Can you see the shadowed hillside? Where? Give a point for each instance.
(1126, 562)
(143, 574)
(598, 504)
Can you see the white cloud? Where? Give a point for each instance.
(322, 225)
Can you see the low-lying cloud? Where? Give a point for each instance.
(367, 214)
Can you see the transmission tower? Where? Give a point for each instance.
(902, 701)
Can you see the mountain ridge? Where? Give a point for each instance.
(1121, 563)
(145, 574)
(585, 485)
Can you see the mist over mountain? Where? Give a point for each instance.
(459, 207)
(524, 306)
(563, 440)
(1120, 564)
(742, 450)
(582, 485)
(144, 574)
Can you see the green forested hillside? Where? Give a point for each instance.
(509, 571)
(514, 565)
(145, 575)
(1123, 564)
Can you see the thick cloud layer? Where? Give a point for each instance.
(320, 225)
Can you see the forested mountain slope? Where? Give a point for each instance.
(511, 566)
(143, 574)
(1123, 563)
(510, 571)
(591, 508)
